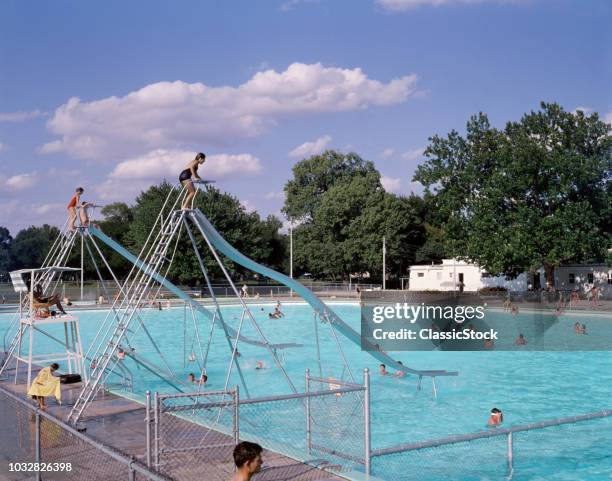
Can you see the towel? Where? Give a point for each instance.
(46, 384)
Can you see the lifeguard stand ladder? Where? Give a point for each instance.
(30, 322)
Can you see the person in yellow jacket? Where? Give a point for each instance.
(46, 384)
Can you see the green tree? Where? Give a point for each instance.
(5, 247)
(536, 194)
(246, 231)
(117, 218)
(342, 229)
(314, 176)
(30, 246)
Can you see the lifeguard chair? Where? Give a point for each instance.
(36, 317)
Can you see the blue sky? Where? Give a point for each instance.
(117, 95)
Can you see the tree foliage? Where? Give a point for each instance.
(345, 213)
(30, 246)
(256, 238)
(5, 246)
(536, 193)
(315, 176)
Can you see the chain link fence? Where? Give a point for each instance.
(186, 430)
(325, 426)
(34, 445)
(569, 448)
(338, 422)
(95, 291)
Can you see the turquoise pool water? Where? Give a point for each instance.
(527, 386)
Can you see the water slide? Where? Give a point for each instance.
(177, 291)
(207, 229)
(337, 323)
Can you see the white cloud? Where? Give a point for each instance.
(608, 117)
(413, 154)
(248, 205)
(287, 224)
(585, 110)
(21, 181)
(17, 214)
(311, 148)
(182, 115)
(135, 174)
(391, 184)
(65, 172)
(47, 208)
(403, 5)
(51, 147)
(289, 4)
(385, 154)
(416, 187)
(275, 195)
(19, 116)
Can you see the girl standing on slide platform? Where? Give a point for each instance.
(72, 205)
(191, 170)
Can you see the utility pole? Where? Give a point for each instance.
(454, 277)
(291, 253)
(384, 263)
(82, 263)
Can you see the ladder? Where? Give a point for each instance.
(11, 350)
(61, 251)
(130, 305)
(57, 256)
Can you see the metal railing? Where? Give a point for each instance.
(92, 290)
(498, 452)
(36, 445)
(327, 425)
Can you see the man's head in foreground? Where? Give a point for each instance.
(247, 457)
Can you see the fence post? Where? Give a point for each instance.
(308, 425)
(132, 475)
(510, 454)
(236, 415)
(37, 444)
(157, 415)
(366, 420)
(148, 426)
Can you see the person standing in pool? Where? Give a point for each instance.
(496, 418)
(189, 174)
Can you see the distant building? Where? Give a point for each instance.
(584, 277)
(459, 275)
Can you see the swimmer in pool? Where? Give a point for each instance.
(496, 417)
(399, 373)
(188, 175)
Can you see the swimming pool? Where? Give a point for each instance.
(527, 386)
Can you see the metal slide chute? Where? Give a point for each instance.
(178, 292)
(208, 230)
(319, 306)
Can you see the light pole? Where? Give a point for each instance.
(82, 265)
(454, 277)
(291, 249)
(291, 253)
(384, 263)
